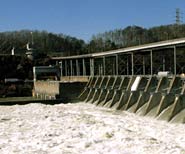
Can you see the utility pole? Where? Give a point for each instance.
(178, 16)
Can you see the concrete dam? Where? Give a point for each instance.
(147, 80)
(159, 97)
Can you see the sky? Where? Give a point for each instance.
(84, 18)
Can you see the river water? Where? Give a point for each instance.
(85, 129)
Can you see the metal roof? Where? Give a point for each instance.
(149, 46)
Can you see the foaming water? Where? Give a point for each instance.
(86, 129)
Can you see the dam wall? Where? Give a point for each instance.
(160, 97)
(49, 85)
(67, 90)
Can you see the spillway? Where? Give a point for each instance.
(160, 97)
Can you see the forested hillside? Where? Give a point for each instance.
(60, 44)
(43, 42)
(134, 35)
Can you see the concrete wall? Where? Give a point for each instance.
(46, 89)
(74, 79)
(161, 97)
(65, 91)
(158, 97)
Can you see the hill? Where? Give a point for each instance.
(63, 45)
(43, 42)
(134, 35)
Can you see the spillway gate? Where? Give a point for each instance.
(160, 97)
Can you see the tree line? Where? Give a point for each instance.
(41, 41)
(64, 45)
(134, 35)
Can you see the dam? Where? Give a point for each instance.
(148, 80)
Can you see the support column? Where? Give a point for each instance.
(61, 69)
(175, 60)
(117, 65)
(144, 69)
(77, 68)
(132, 59)
(92, 67)
(71, 67)
(84, 67)
(164, 62)
(104, 65)
(151, 62)
(66, 67)
(127, 66)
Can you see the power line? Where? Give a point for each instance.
(178, 16)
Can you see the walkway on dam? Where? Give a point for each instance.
(148, 59)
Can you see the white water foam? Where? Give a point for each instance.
(85, 129)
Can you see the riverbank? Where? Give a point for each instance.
(85, 129)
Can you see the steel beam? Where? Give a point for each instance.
(71, 67)
(117, 72)
(144, 72)
(92, 67)
(175, 60)
(61, 68)
(104, 65)
(132, 60)
(77, 68)
(127, 66)
(65, 68)
(151, 62)
(163, 61)
(84, 67)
